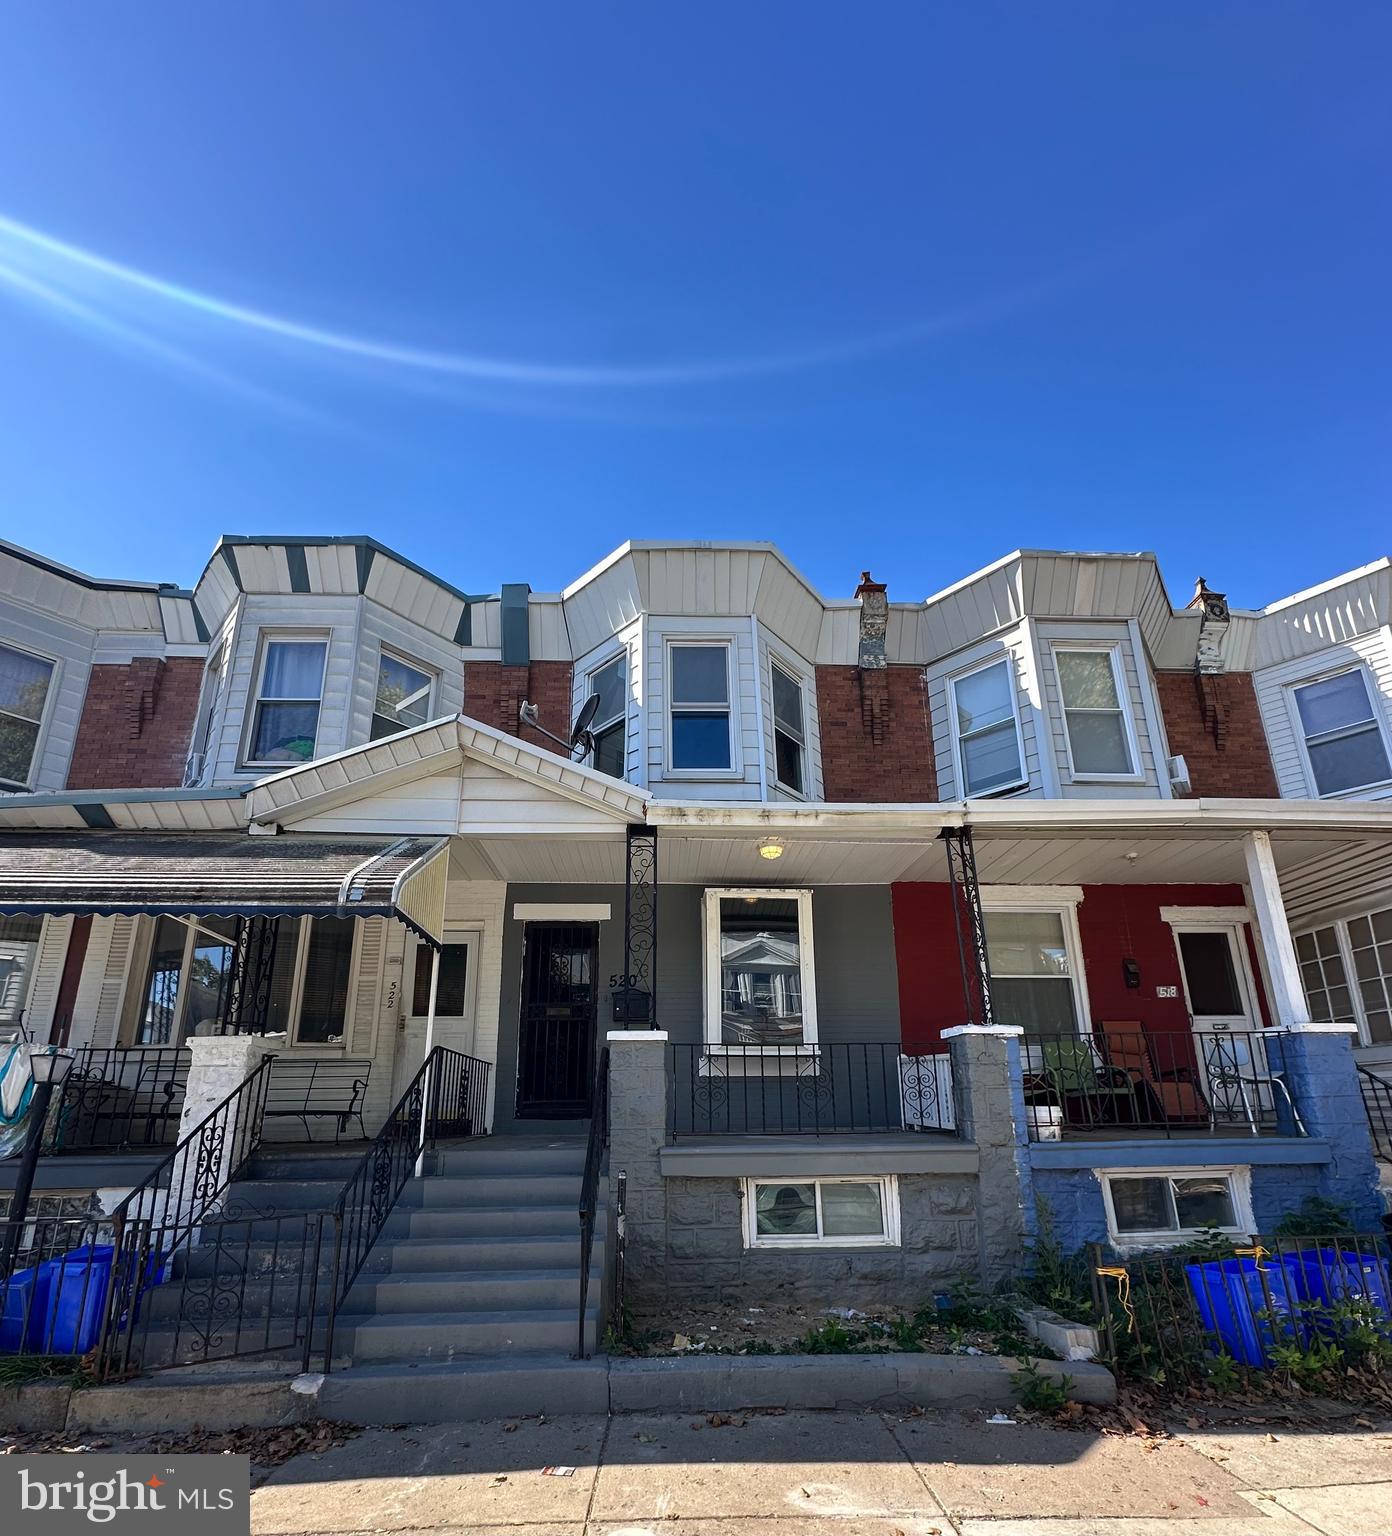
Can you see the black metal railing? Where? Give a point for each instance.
(589, 1190)
(1377, 1101)
(1232, 1082)
(446, 1098)
(1274, 1303)
(831, 1088)
(158, 1218)
(117, 1098)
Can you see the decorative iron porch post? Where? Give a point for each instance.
(639, 1008)
(253, 965)
(969, 925)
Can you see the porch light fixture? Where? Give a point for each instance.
(51, 1066)
(771, 848)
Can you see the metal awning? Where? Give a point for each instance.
(217, 874)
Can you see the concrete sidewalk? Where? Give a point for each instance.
(830, 1474)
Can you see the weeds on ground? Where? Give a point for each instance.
(23, 1370)
(1038, 1392)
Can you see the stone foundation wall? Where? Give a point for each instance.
(705, 1257)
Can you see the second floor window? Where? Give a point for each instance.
(403, 696)
(24, 684)
(285, 721)
(987, 731)
(1099, 740)
(1343, 740)
(610, 727)
(789, 736)
(699, 680)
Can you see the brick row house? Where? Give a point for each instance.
(868, 930)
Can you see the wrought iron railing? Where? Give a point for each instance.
(446, 1098)
(117, 1098)
(1377, 1101)
(589, 1191)
(830, 1088)
(1123, 1080)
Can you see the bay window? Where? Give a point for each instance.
(986, 729)
(25, 680)
(404, 692)
(698, 684)
(1344, 742)
(1096, 723)
(289, 691)
(760, 987)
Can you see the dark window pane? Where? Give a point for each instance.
(760, 972)
(403, 697)
(451, 991)
(1142, 1205)
(701, 740)
(1349, 762)
(699, 674)
(787, 757)
(609, 750)
(852, 1210)
(1204, 1202)
(324, 1000)
(1334, 703)
(992, 758)
(18, 738)
(1038, 1005)
(786, 1210)
(159, 1013)
(787, 701)
(607, 684)
(1208, 970)
(284, 733)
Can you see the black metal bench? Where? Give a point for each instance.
(321, 1088)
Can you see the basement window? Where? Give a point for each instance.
(830, 1213)
(1154, 1206)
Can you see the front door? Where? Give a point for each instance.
(556, 1038)
(1222, 1004)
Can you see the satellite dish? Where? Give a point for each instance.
(580, 731)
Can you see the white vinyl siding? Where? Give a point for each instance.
(986, 731)
(1012, 647)
(69, 648)
(773, 655)
(1098, 732)
(386, 632)
(626, 647)
(1343, 733)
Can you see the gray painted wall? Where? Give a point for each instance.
(853, 941)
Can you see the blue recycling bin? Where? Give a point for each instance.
(18, 1297)
(1247, 1305)
(1332, 1275)
(71, 1301)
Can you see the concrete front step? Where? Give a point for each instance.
(483, 1221)
(438, 1392)
(422, 1336)
(410, 1255)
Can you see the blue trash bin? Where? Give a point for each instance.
(18, 1296)
(1233, 1296)
(1332, 1275)
(72, 1292)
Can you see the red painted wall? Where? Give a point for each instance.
(1116, 923)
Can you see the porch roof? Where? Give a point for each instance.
(218, 874)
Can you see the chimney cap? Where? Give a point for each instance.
(868, 586)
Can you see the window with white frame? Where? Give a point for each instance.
(24, 683)
(841, 1213)
(1033, 980)
(1324, 977)
(1346, 969)
(609, 684)
(760, 988)
(789, 733)
(1096, 722)
(289, 690)
(698, 691)
(1370, 945)
(1344, 743)
(189, 977)
(404, 693)
(208, 695)
(987, 729)
(1159, 1205)
(19, 948)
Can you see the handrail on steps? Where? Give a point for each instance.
(1377, 1103)
(589, 1190)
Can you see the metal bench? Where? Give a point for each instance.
(323, 1088)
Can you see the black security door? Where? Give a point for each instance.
(556, 1044)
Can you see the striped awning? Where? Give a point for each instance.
(217, 874)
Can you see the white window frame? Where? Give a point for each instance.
(1239, 1177)
(889, 1204)
(264, 640)
(1112, 649)
(1302, 742)
(1344, 939)
(709, 642)
(392, 653)
(710, 926)
(777, 664)
(1000, 658)
(41, 735)
(1063, 899)
(619, 654)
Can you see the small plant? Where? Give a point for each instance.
(832, 1338)
(1056, 1280)
(20, 1370)
(1316, 1217)
(1306, 1365)
(1222, 1373)
(905, 1333)
(1038, 1392)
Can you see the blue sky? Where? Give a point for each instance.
(902, 287)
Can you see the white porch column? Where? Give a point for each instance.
(1287, 993)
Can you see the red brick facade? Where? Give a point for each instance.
(877, 742)
(493, 693)
(137, 720)
(1213, 722)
